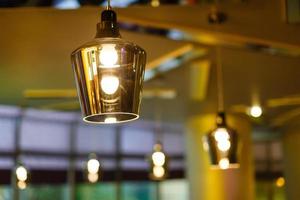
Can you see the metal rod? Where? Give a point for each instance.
(72, 166)
(220, 89)
(108, 5)
(118, 175)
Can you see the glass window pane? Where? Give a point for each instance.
(174, 189)
(139, 190)
(173, 143)
(43, 162)
(95, 139)
(44, 192)
(7, 126)
(136, 141)
(45, 136)
(105, 191)
(5, 192)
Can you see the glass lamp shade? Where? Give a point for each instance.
(222, 145)
(109, 73)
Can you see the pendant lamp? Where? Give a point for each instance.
(109, 74)
(222, 142)
(158, 163)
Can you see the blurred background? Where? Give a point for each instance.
(45, 148)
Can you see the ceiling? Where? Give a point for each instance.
(36, 44)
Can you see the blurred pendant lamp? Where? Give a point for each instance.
(222, 142)
(92, 168)
(109, 73)
(158, 159)
(21, 174)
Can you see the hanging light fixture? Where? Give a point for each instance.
(222, 142)
(92, 169)
(21, 174)
(222, 145)
(109, 73)
(158, 163)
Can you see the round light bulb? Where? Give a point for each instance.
(108, 56)
(93, 166)
(158, 158)
(280, 182)
(93, 178)
(224, 145)
(221, 134)
(110, 84)
(21, 173)
(158, 171)
(224, 163)
(110, 120)
(22, 185)
(255, 111)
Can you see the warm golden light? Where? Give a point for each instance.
(224, 145)
(158, 171)
(21, 173)
(155, 3)
(224, 163)
(108, 56)
(280, 182)
(110, 120)
(255, 111)
(110, 84)
(93, 166)
(93, 178)
(22, 185)
(158, 158)
(221, 134)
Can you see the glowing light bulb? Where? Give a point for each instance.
(224, 163)
(93, 178)
(255, 111)
(280, 182)
(224, 145)
(108, 56)
(110, 84)
(155, 3)
(110, 120)
(22, 185)
(221, 134)
(158, 171)
(158, 158)
(21, 173)
(93, 166)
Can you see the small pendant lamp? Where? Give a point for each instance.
(109, 73)
(158, 163)
(222, 142)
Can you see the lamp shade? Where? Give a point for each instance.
(222, 145)
(109, 73)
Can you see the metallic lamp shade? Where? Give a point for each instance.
(222, 146)
(109, 73)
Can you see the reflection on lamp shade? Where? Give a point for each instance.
(109, 73)
(222, 145)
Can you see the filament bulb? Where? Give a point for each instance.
(21, 173)
(110, 84)
(158, 171)
(93, 166)
(108, 56)
(158, 158)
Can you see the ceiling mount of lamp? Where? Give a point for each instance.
(109, 74)
(222, 142)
